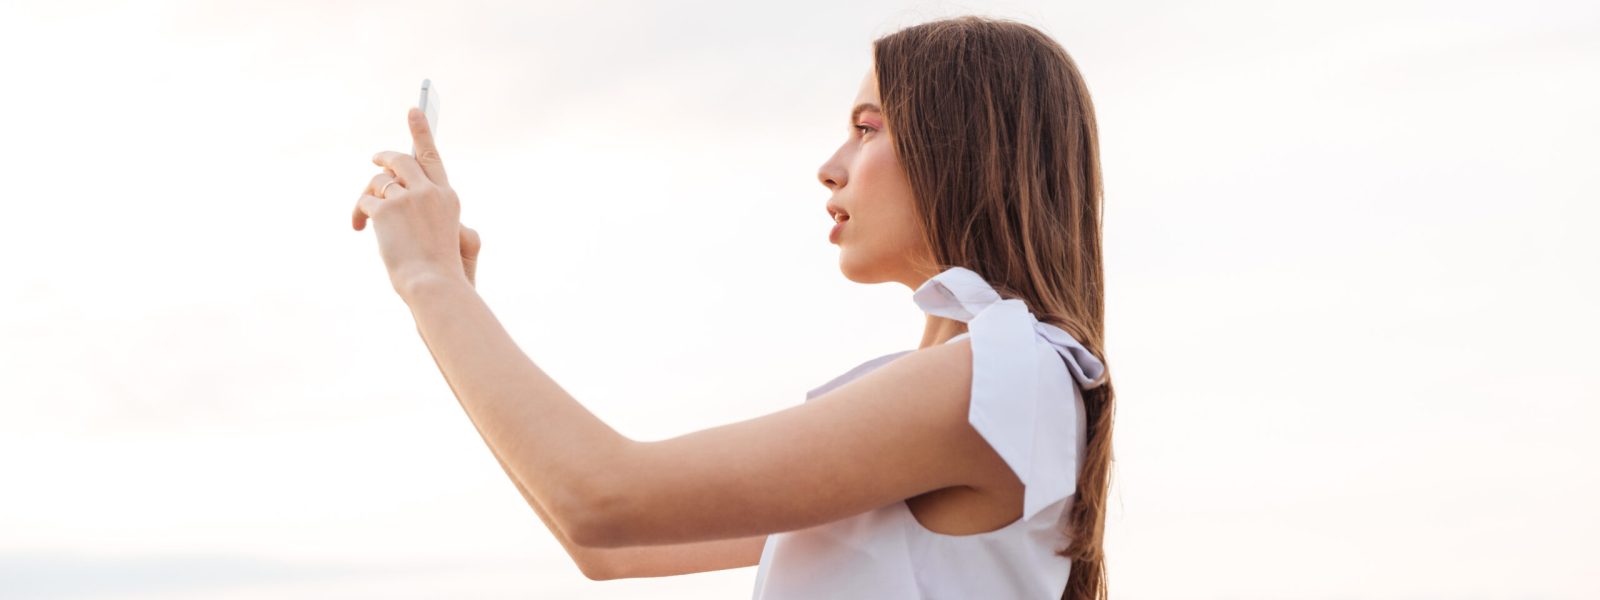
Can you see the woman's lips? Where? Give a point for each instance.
(833, 235)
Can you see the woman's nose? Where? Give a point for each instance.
(830, 177)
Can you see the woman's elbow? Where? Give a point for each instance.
(597, 570)
(596, 527)
(596, 516)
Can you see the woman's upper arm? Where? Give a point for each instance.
(895, 432)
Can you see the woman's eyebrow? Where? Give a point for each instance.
(856, 112)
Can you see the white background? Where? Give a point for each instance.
(1350, 249)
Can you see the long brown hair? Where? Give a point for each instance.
(996, 130)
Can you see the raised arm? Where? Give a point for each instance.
(640, 561)
(896, 432)
(891, 435)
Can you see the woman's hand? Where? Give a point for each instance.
(418, 219)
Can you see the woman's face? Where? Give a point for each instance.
(880, 238)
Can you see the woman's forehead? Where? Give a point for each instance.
(869, 88)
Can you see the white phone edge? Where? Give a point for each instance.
(428, 101)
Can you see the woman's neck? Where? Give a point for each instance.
(939, 330)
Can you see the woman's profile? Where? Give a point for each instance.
(975, 465)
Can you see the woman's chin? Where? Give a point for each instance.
(846, 268)
(854, 270)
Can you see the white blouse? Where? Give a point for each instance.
(1028, 406)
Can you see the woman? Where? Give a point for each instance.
(974, 466)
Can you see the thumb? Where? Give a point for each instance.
(470, 242)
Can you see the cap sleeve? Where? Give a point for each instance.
(1026, 375)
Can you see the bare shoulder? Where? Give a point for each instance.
(934, 382)
(930, 389)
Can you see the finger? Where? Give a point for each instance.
(377, 182)
(470, 242)
(366, 208)
(404, 167)
(469, 254)
(427, 152)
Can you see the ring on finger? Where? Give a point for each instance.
(385, 187)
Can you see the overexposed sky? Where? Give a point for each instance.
(1351, 265)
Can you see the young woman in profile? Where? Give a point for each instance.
(973, 466)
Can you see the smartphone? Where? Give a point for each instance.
(428, 101)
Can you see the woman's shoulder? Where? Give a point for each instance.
(855, 372)
(873, 363)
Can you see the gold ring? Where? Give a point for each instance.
(386, 187)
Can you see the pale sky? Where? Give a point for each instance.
(1350, 249)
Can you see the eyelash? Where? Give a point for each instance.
(860, 127)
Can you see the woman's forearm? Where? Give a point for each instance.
(546, 440)
(588, 560)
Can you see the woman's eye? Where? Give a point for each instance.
(866, 127)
